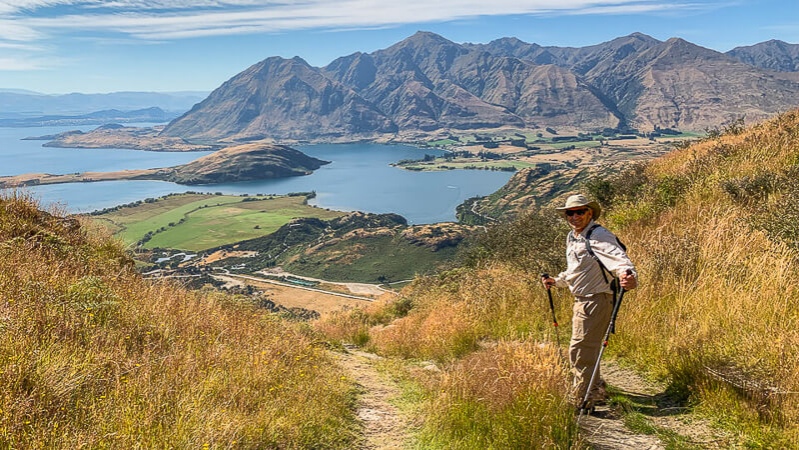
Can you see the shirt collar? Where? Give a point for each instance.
(587, 227)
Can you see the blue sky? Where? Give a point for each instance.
(94, 46)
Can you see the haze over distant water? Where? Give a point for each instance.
(359, 178)
(28, 156)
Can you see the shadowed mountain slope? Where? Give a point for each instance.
(284, 98)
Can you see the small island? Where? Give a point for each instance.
(246, 162)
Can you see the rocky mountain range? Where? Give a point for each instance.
(427, 85)
(771, 55)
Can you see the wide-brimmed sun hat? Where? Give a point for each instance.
(578, 200)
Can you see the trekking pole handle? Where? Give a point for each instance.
(544, 276)
(628, 272)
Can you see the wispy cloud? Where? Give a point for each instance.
(23, 64)
(12, 30)
(179, 19)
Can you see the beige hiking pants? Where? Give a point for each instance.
(589, 324)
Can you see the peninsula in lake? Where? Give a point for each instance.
(246, 162)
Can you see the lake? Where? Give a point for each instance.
(359, 178)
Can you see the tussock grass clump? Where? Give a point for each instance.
(92, 356)
(716, 312)
(508, 396)
(456, 310)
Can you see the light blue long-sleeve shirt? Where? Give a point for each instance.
(583, 276)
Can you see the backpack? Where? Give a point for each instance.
(614, 283)
(593, 255)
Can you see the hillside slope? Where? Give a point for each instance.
(92, 356)
(712, 230)
(367, 248)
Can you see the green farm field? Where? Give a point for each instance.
(197, 222)
(467, 163)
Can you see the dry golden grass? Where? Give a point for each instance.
(510, 395)
(717, 309)
(453, 312)
(503, 384)
(91, 356)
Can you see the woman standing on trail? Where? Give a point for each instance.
(594, 258)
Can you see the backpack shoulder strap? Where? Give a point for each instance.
(588, 240)
(591, 251)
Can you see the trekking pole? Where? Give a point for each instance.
(552, 308)
(584, 408)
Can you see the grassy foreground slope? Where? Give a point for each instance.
(92, 356)
(713, 230)
(501, 381)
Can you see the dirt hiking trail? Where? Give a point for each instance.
(667, 424)
(385, 427)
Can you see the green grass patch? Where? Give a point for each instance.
(638, 423)
(474, 164)
(442, 142)
(577, 144)
(383, 259)
(197, 221)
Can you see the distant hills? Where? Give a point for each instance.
(27, 105)
(428, 86)
(153, 114)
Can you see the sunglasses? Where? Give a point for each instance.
(579, 212)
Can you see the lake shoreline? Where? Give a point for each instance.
(246, 162)
(360, 177)
(43, 179)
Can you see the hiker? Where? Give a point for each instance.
(591, 280)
